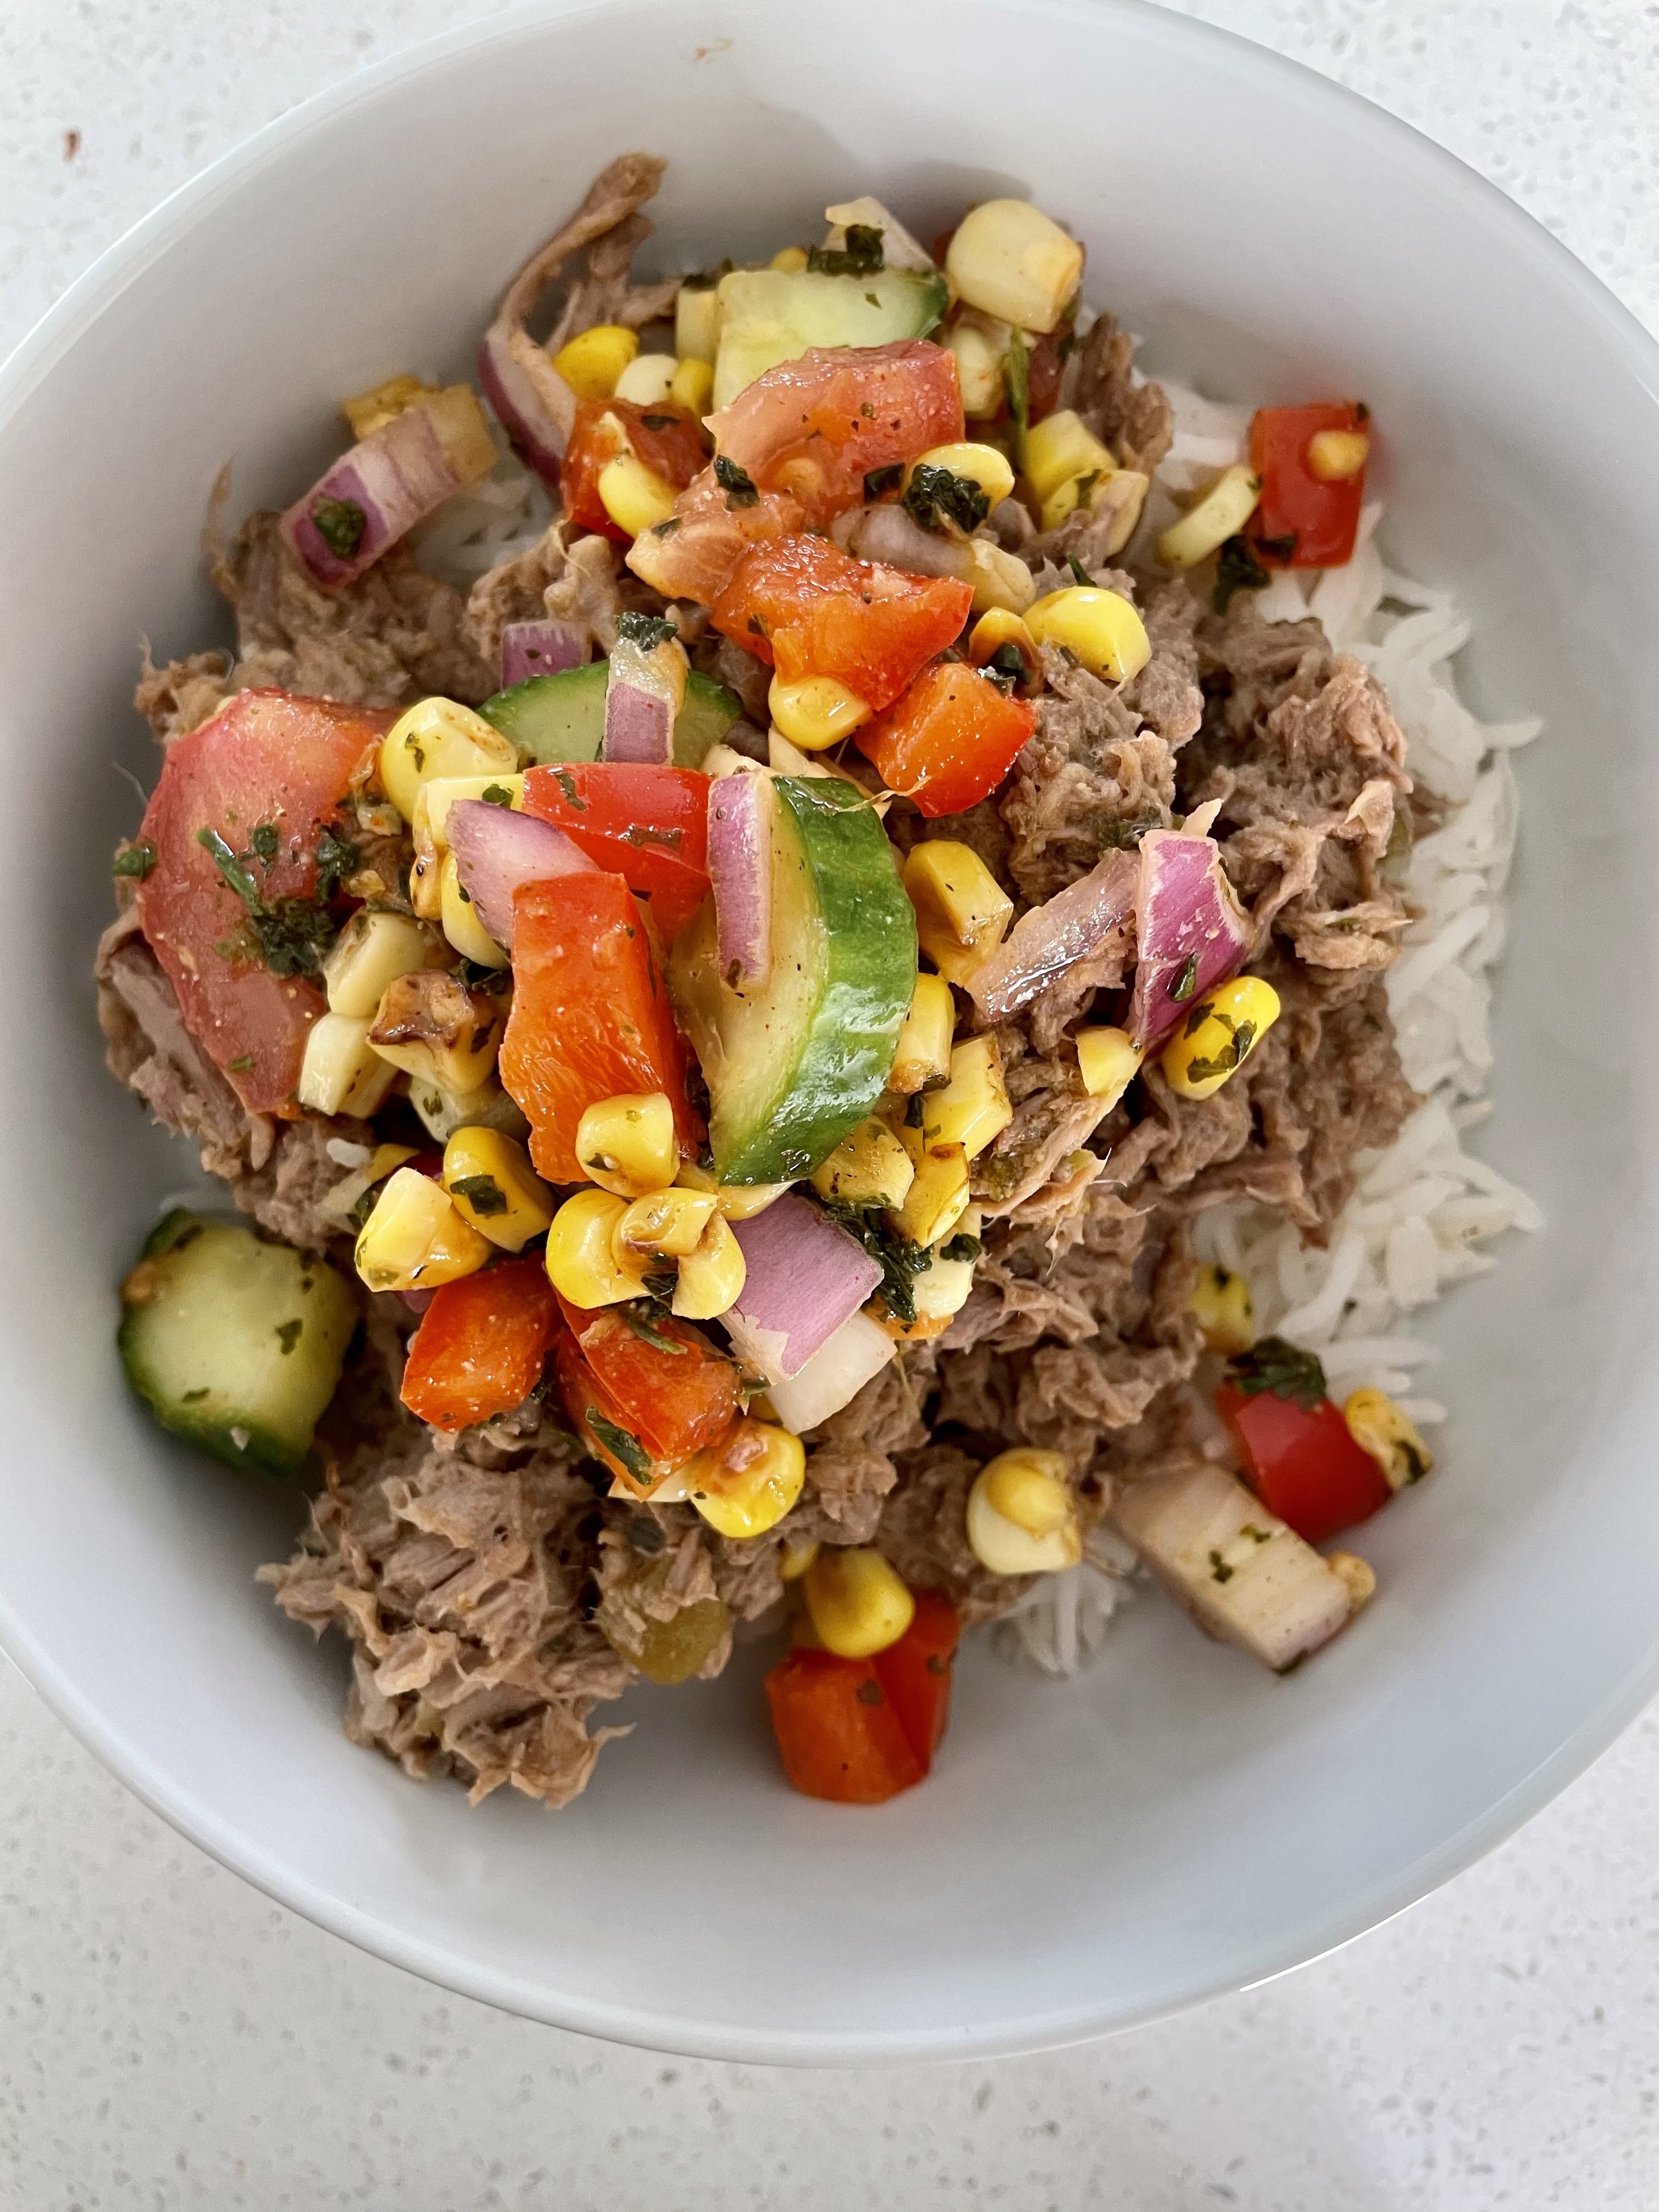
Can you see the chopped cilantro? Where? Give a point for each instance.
(1016, 374)
(1007, 667)
(336, 858)
(1219, 1568)
(1078, 570)
(290, 933)
(496, 794)
(240, 1064)
(937, 498)
(340, 525)
(861, 256)
(1182, 988)
(1283, 1369)
(567, 783)
(739, 487)
(900, 1261)
(642, 1317)
(1231, 1056)
(1237, 569)
(265, 838)
(288, 1334)
(481, 1192)
(621, 1445)
(233, 871)
(135, 860)
(877, 482)
(1282, 549)
(1123, 836)
(960, 1247)
(646, 631)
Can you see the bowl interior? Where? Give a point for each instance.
(1176, 1822)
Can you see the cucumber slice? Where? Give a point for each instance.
(772, 315)
(794, 1063)
(555, 718)
(233, 1341)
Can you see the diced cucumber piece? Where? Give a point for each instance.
(795, 1062)
(772, 315)
(233, 1341)
(557, 719)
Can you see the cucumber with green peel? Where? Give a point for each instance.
(559, 718)
(772, 315)
(794, 1062)
(235, 1342)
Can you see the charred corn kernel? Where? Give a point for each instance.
(941, 1289)
(628, 1145)
(693, 387)
(1060, 449)
(983, 466)
(437, 1031)
(938, 1196)
(815, 712)
(1221, 514)
(438, 738)
(416, 1238)
(972, 1110)
(1000, 638)
(592, 361)
(461, 925)
(712, 1277)
(648, 379)
(736, 1201)
(634, 497)
(1099, 629)
(1377, 1425)
(429, 824)
(747, 1486)
(857, 1601)
(341, 1072)
(962, 910)
(869, 1167)
(1333, 456)
(1358, 1579)
(1021, 1516)
(372, 950)
(1108, 1062)
(792, 259)
(1117, 500)
(797, 1556)
(369, 411)
(426, 886)
(923, 1052)
(979, 370)
(697, 323)
(999, 579)
(583, 1263)
(671, 1221)
(487, 1107)
(1226, 1312)
(1011, 260)
(489, 1177)
(1222, 1029)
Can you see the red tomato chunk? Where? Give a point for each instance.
(646, 823)
(665, 436)
(858, 1731)
(950, 739)
(1300, 521)
(482, 1345)
(1304, 1465)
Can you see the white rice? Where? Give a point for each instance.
(502, 515)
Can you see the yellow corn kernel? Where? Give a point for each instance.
(429, 824)
(869, 1167)
(999, 579)
(462, 431)
(490, 1179)
(671, 1221)
(461, 925)
(648, 379)
(339, 1202)
(1098, 628)
(922, 1054)
(792, 259)
(993, 634)
(369, 411)
(1219, 1033)
(979, 370)
(712, 1277)
(937, 1198)
(583, 1263)
(1378, 1426)
(369, 953)
(1358, 1579)
(416, 1238)
(697, 325)
(591, 362)
(438, 738)
(962, 911)
(815, 712)
(1333, 456)
(341, 1072)
(634, 497)
(1108, 1062)
(983, 466)
(940, 1291)
(1011, 260)
(1118, 498)
(693, 387)
(857, 1602)
(628, 1145)
(736, 1201)
(1060, 449)
(487, 1107)
(797, 1556)
(1226, 1310)
(426, 886)
(747, 1486)
(435, 1029)
(972, 1110)
(1221, 514)
(1021, 1519)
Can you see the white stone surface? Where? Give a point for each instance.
(169, 2039)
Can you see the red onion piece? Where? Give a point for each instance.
(740, 874)
(638, 725)
(540, 648)
(1191, 932)
(805, 1277)
(1076, 924)
(417, 1301)
(392, 480)
(538, 425)
(888, 534)
(497, 850)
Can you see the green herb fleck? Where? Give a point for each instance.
(1016, 369)
(621, 1445)
(643, 1319)
(960, 1247)
(266, 839)
(1237, 569)
(1219, 1569)
(739, 487)
(915, 1112)
(1185, 983)
(641, 834)
(877, 482)
(936, 498)
(861, 256)
(496, 794)
(666, 529)
(240, 1064)
(900, 1261)
(336, 858)
(1230, 1056)
(136, 860)
(291, 933)
(1123, 836)
(567, 783)
(1280, 550)
(340, 525)
(288, 1334)
(1285, 1370)
(481, 1192)
(233, 870)
(1079, 571)
(646, 631)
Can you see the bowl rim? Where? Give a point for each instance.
(43, 346)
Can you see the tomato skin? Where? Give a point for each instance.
(838, 1734)
(591, 1017)
(1304, 1466)
(916, 1673)
(821, 613)
(710, 536)
(646, 823)
(1321, 519)
(481, 1345)
(950, 739)
(266, 757)
(665, 437)
(676, 1403)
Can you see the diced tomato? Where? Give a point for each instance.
(591, 1017)
(265, 777)
(916, 1672)
(1299, 522)
(1303, 1463)
(648, 825)
(816, 427)
(810, 610)
(482, 1343)
(950, 739)
(712, 528)
(675, 1394)
(665, 437)
(839, 1736)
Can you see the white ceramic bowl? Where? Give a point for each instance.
(1178, 1823)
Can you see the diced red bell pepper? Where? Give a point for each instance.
(839, 1734)
(665, 437)
(808, 609)
(677, 1395)
(1303, 1464)
(950, 739)
(591, 1017)
(481, 1345)
(1299, 521)
(648, 825)
(916, 1673)
(598, 1421)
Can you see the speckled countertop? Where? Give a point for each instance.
(169, 2039)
